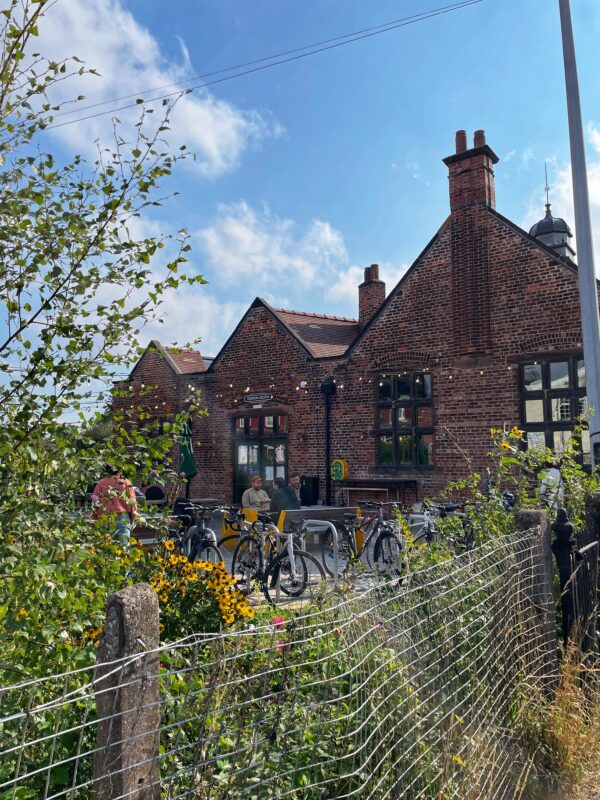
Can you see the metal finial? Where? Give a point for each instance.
(547, 188)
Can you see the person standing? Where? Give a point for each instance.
(255, 497)
(115, 504)
(297, 488)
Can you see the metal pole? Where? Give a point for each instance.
(588, 293)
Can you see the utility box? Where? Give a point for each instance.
(309, 490)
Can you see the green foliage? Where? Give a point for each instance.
(76, 290)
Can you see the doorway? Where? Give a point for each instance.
(261, 448)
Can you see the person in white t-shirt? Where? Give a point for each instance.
(255, 497)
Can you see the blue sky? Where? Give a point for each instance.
(308, 172)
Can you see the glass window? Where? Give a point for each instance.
(425, 448)
(423, 386)
(268, 424)
(253, 425)
(240, 424)
(385, 388)
(405, 415)
(553, 395)
(405, 454)
(560, 409)
(532, 377)
(253, 454)
(424, 416)
(580, 374)
(536, 440)
(559, 375)
(386, 455)
(385, 417)
(403, 388)
(534, 410)
(282, 424)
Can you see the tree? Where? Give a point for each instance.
(76, 290)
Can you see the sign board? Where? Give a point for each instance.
(339, 469)
(257, 398)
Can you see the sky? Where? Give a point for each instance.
(309, 171)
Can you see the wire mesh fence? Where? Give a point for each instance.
(417, 688)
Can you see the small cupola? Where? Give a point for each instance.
(553, 232)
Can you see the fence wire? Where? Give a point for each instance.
(415, 689)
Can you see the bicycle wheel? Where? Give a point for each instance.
(247, 563)
(207, 551)
(389, 555)
(346, 551)
(292, 580)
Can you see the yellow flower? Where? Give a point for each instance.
(170, 544)
(21, 613)
(192, 576)
(164, 597)
(516, 432)
(505, 445)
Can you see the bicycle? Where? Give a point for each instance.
(194, 539)
(373, 528)
(429, 529)
(272, 557)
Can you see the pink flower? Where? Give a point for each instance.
(283, 645)
(279, 622)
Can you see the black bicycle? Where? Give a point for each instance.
(193, 538)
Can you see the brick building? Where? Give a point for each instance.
(482, 330)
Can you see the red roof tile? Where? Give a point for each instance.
(186, 361)
(324, 336)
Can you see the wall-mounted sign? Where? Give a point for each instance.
(257, 398)
(339, 469)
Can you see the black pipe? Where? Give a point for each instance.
(328, 389)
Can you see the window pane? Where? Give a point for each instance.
(404, 416)
(268, 423)
(253, 454)
(403, 388)
(561, 439)
(239, 424)
(532, 377)
(424, 417)
(385, 417)
(253, 425)
(385, 388)
(583, 406)
(425, 448)
(559, 375)
(580, 374)
(405, 455)
(385, 450)
(536, 440)
(561, 409)
(534, 411)
(282, 424)
(423, 386)
(242, 454)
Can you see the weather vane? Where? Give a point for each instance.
(547, 188)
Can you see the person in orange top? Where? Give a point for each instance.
(114, 500)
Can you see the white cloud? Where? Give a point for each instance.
(561, 197)
(245, 248)
(345, 288)
(129, 59)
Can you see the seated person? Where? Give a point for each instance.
(255, 497)
(284, 498)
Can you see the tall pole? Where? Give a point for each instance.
(588, 293)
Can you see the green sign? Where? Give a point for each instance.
(339, 469)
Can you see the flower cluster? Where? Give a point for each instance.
(232, 603)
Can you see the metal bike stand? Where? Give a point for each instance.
(321, 523)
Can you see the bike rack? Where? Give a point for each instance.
(322, 523)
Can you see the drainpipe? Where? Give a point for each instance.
(328, 389)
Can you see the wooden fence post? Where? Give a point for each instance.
(126, 762)
(542, 595)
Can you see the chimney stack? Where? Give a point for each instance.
(371, 294)
(470, 173)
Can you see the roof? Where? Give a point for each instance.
(549, 224)
(322, 335)
(186, 361)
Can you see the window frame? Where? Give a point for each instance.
(412, 428)
(276, 432)
(573, 394)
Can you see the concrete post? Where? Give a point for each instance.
(126, 763)
(543, 594)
